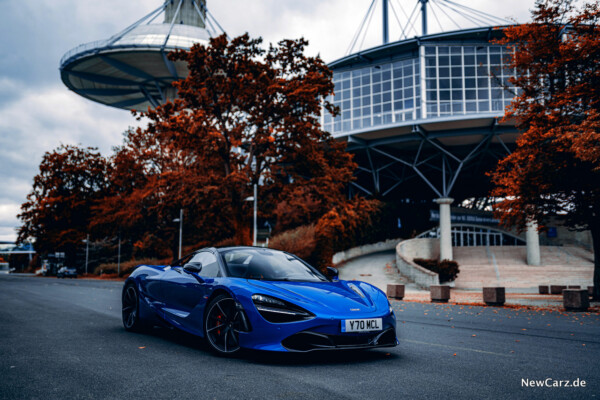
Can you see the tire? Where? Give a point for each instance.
(130, 301)
(222, 325)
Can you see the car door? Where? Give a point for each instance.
(186, 293)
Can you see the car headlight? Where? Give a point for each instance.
(279, 311)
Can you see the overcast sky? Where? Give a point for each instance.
(38, 113)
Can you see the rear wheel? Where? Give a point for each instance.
(222, 325)
(131, 308)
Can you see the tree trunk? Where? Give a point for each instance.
(595, 229)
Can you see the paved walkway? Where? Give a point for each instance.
(506, 266)
(480, 266)
(378, 269)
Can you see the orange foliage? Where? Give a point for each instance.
(556, 166)
(301, 241)
(57, 211)
(342, 227)
(243, 116)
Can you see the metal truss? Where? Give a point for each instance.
(435, 164)
(459, 14)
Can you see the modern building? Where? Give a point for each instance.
(424, 115)
(131, 70)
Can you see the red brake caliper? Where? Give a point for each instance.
(219, 323)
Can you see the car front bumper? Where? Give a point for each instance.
(319, 333)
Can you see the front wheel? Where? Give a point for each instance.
(131, 309)
(222, 325)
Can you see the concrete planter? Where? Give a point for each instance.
(557, 289)
(543, 289)
(395, 291)
(439, 293)
(576, 300)
(494, 296)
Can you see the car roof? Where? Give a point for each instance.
(228, 248)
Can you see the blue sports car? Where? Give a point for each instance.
(258, 298)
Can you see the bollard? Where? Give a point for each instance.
(543, 289)
(590, 291)
(575, 300)
(395, 291)
(439, 293)
(494, 296)
(557, 289)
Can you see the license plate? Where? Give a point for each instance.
(361, 325)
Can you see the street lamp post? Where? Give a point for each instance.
(119, 256)
(255, 200)
(87, 252)
(255, 213)
(180, 220)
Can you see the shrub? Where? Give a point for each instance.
(127, 267)
(345, 227)
(339, 229)
(301, 241)
(447, 270)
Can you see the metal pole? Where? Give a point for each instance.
(255, 211)
(119, 257)
(87, 252)
(385, 22)
(180, 230)
(424, 16)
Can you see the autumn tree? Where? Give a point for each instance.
(244, 115)
(58, 209)
(136, 204)
(555, 168)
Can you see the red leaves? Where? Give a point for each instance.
(243, 115)
(556, 166)
(58, 210)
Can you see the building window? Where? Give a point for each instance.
(466, 80)
(375, 95)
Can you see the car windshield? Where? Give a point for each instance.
(268, 265)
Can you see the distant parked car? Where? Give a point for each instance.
(66, 272)
(4, 268)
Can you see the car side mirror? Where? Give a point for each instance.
(193, 267)
(332, 273)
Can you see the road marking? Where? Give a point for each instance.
(455, 347)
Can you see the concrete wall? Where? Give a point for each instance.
(408, 250)
(354, 252)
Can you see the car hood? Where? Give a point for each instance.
(337, 297)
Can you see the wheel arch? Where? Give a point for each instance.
(217, 292)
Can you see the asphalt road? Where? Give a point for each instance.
(63, 339)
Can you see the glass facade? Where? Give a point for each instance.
(466, 79)
(375, 95)
(457, 80)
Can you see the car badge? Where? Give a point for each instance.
(355, 309)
